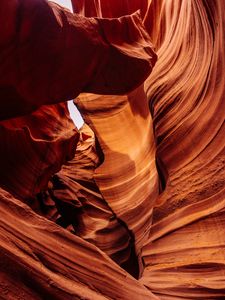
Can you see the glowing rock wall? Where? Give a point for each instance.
(145, 192)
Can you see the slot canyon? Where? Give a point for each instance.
(131, 206)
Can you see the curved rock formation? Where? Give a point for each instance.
(186, 253)
(49, 55)
(34, 62)
(150, 193)
(186, 256)
(82, 205)
(33, 148)
(127, 178)
(40, 260)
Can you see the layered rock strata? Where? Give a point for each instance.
(150, 193)
(185, 255)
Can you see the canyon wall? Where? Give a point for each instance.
(132, 206)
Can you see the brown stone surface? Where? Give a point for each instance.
(50, 55)
(33, 148)
(40, 260)
(144, 194)
(186, 256)
(127, 177)
(82, 205)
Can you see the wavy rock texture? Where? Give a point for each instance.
(81, 204)
(186, 256)
(110, 191)
(110, 8)
(40, 47)
(186, 253)
(74, 54)
(40, 260)
(127, 178)
(33, 148)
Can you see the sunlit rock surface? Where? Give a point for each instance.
(144, 194)
(82, 205)
(127, 178)
(186, 255)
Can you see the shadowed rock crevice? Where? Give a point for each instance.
(81, 204)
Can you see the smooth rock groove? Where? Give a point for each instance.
(140, 189)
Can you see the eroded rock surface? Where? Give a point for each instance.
(41, 260)
(50, 55)
(145, 191)
(33, 148)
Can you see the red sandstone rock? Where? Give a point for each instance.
(40, 260)
(33, 148)
(49, 55)
(179, 234)
(185, 257)
(127, 177)
(82, 205)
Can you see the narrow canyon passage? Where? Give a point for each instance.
(132, 204)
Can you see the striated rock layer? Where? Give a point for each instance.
(147, 191)
(127, 178)
(186, 256)
(82, 205)
(43, 62)
(40, 260)
(32, 149)
(49, 55)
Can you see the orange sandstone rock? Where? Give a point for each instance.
(49, 55)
